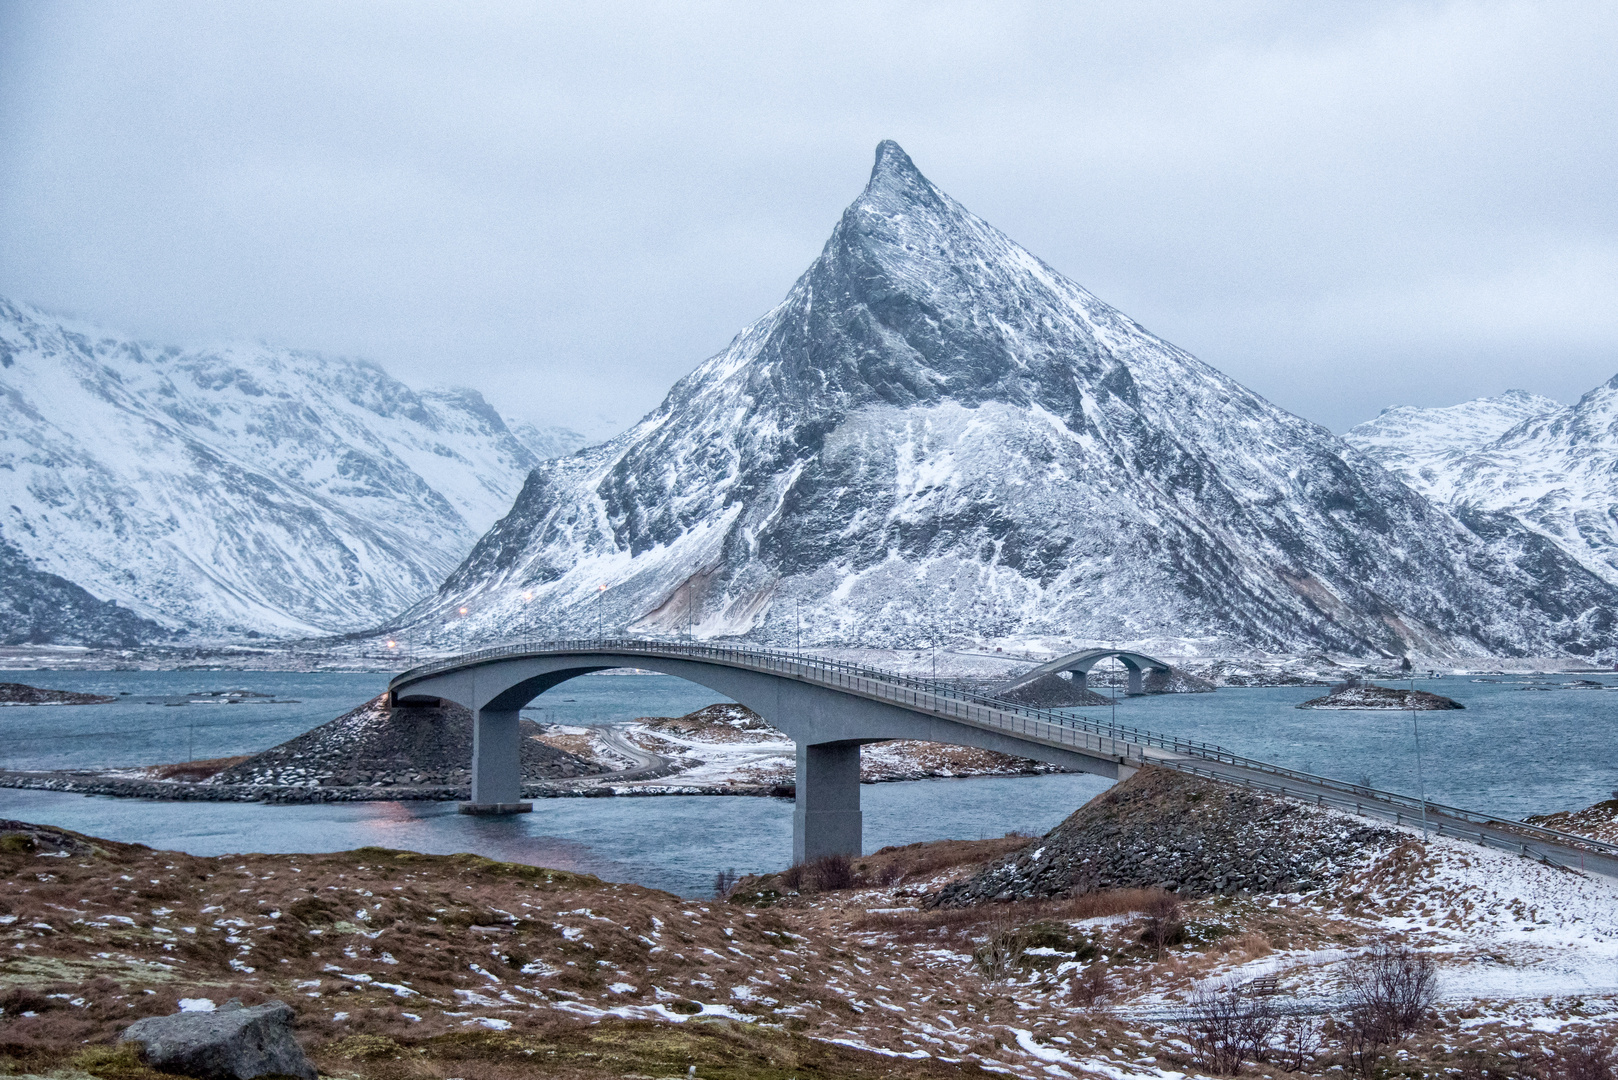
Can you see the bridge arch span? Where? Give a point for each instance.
(828, 709)
(1080, 664)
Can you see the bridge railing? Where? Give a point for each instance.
(948, 700)
(1113, 740)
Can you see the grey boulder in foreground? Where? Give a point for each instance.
(232, 1043)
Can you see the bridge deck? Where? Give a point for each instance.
(1128, 746)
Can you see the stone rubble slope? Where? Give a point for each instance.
(1165, 829)
(375, 745)
(935, 429)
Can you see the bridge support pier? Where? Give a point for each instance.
(496, 764)
(827, 819)
(1137, 684)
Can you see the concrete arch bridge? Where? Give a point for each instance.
(1081, 663)
(831, 708)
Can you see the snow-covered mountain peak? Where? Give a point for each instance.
(232, 490)
(1552, 467)
(896, 180)
(936, 429)
(1422, 445)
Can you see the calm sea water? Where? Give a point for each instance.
(1513, 751)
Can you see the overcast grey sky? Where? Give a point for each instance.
(1345, 206)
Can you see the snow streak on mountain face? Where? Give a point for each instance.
(1551, 466)
(935, 432)
(1422, 446)
(243, 490)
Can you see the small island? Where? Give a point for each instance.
(13, 693)
(1354, 694)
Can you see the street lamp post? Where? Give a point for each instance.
(1421, 783)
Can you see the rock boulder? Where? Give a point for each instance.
(231, 1043)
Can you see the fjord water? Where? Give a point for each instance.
(1512, 751)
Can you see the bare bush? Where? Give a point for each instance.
(1091, 988)
(825, 874)
(1587, 1057)
(1227, 1027)
(1297, 1042)
(1391, 988)
(830, 873)
(1000, 954)
(723, 882)
(1165, 920)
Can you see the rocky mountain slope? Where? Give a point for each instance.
(1552, 467)
(1421, 446)
(936, 432)
(227, 492)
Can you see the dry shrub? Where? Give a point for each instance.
(1227, 1027)
(1588, 1057)
(1104, 902)
(1250, 944)
(1091, 987)
(1001, 953)
(1165, 921)
(195, 770)
(1390, 991)
(831, 873)
(924, 859)
(1297, 1042)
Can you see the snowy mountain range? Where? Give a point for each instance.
(1550, 466)
(239, 491)
(937, 433)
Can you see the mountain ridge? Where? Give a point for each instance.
(1554, 470)
(229, 492)
(935, 427)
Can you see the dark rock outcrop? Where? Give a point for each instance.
(41, 608)
(231, 1043)
(377, 746)
(1358, 695)
(1185, 834)
(1175, 681)
(14, 693)
(1055, 692)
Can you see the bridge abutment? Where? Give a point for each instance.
(827, 819)
(496, 764)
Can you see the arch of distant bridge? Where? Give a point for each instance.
(1081, 663)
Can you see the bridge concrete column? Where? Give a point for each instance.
(496, 764)
(1137, 684)
(827, 819)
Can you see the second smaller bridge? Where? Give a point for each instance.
(1080, 664)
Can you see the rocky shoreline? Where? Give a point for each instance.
(12, 693)
(1354, 695)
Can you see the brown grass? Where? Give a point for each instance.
(195, 770)
(914, 862)
(912, 924)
